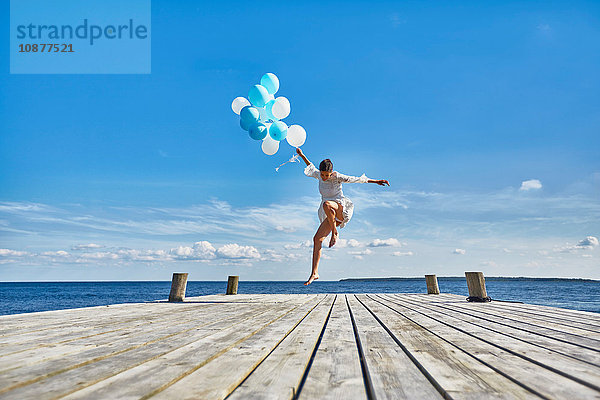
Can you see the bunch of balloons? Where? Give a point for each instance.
(262, 116)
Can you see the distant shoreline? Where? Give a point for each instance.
(455, 278)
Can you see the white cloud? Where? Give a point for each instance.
(347, 243)
(417, 214)
(384, 242)
(488, 264)
(99, 255)
(12, 253)
(341, 243)
(459, 251)
(275, 256)
(364, 252)
(543, 27)
(531, 184)
(402, 253)
(588, 243)
(86, 246)
(202, 250)
(59, 253)
(585, 244)
(142, 255)
(234, 250)
(353, 243)
(433, 223)
(214, 217)
(287, 229)
(306, 243)
(367, 199)
(18, 207)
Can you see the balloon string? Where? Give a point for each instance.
(294, 158)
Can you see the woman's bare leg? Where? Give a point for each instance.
(332, 210)
(321, 234)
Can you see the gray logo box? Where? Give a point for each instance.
(80, 37)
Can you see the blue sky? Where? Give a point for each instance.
(133, 177)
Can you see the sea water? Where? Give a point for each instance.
(24, 297)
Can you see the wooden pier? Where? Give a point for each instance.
(344, 346)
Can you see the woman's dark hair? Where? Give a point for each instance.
(326, 165)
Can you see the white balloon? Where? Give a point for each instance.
(268, 125)
(239, 103)
(281, 108)
(296, 135)
(263, 114)
(269, 146)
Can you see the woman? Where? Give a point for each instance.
(335, 209)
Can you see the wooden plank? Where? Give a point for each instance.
(392, 372)
(492, 307)
(583, 316)
(47, 352)
(209, 381)
(335, 372)
(104, 318)
(114, 326)
(36, 340)
(411, 343)
(133, 343)
(460, 374)
(64, 375)
(584, 326)
(550, 342)
(94, 327)
(573, 335)
(568, 312)
(279, 375)
(588, 322)
(147, 377)
(25, 323)
(19, 324)
(495, 351)
(551, 309)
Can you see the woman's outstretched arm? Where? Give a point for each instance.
(302, 156)
(380, 182)
(310, 169)
(360, 179)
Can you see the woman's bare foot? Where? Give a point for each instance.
(312, 278)
(333, 240)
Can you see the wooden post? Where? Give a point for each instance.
(178, 285)
(432, 284)
(232, 284)
(476, 285)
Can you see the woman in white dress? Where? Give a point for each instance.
(335, 209)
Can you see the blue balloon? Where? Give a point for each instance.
(270, 82)
(269, 109)
(250, 114)
(258, 131)
(246, 124)
(278, 130)
(258, 95)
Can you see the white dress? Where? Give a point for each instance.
(331, 189)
